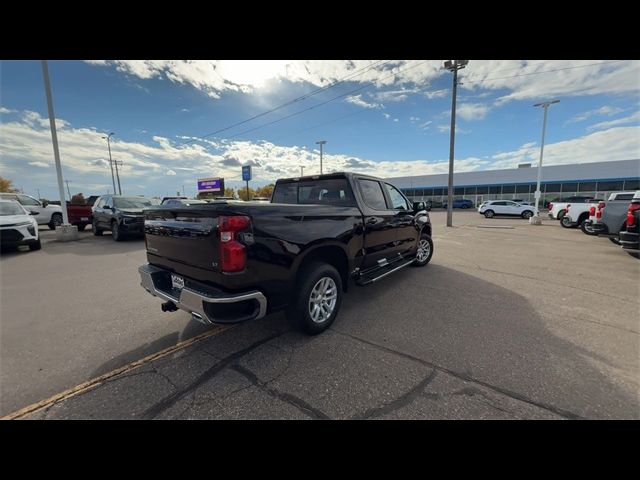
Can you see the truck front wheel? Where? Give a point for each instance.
(425, 251)
(317, 299)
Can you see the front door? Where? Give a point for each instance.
(33, 205)
(406, 233)
(379, 232)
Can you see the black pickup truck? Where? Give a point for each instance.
(230, 261)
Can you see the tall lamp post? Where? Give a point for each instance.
(535, 220)
(321, 143)
(107, 138)
(452, 66)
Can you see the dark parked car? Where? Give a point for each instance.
(630, 236)
(227, 262)
(176, 202)
(460, 203)
(120, 214)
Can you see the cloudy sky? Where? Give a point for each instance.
(177, 121)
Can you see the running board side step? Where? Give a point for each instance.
(371, 277)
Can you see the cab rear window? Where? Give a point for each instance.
(333, 191)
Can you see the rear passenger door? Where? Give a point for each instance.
(379, 223)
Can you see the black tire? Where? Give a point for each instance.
(116, 234)
(527, 214)
(615, 240)
(464, 206)
(489, 213)
(96, 231)
(81, 226)
(299, 312)
(35, 246)
(561, 214)
(567, 223)
(586, 229)
(634, 254)
(56, 219)
(427, 259)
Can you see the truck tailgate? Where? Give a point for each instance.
(184, 234)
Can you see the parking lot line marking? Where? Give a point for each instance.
(102, 378)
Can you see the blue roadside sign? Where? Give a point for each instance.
(246, 173)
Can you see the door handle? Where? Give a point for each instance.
(372, 220)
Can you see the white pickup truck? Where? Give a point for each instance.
(576, 213)
(558, 209)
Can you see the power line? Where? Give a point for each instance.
(544, 71)
(325, 102)
(377, 63)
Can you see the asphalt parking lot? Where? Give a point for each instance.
(535, 322)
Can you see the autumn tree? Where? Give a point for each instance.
(265, 191)
(228, 192)
(78, 199)
(242, 193)
(6, 185)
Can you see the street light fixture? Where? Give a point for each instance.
(535, 220)
(452, 66)
(107, 138)
(321, 143)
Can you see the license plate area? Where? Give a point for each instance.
(177, 282)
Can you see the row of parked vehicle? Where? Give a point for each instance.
(615, 218)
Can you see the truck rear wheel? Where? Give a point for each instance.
(587, 228)
(317, 300)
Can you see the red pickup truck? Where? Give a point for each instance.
(81, 215)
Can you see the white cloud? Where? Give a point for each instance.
(387, 116)
(395, 119)
(436, 93)
(605, 110)
(6, 110)
(614, 123)
(414, 119)
(358, 100)
(170, 173)
(426, 124)
(472, 111)
(447, 128)
(39, 164)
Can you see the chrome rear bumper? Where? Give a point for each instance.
(197, 302)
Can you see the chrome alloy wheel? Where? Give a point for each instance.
(323, 299)
(424, 249)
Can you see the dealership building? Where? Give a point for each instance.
(598, 179)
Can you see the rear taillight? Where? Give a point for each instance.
(233, 255)
(550, 206)
(599, 211)
(568, 207)
(592, 211)
(630, 218)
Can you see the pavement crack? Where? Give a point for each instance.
(402, 401)
(169, 401)
(467, 378)
(298, 403)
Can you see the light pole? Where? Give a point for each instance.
(321, 143)
(301, 171)
(107, 138)
(452, 66)
(68, 191)
(535, 220)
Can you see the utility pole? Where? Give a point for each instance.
(535, 220)
(111, 161)
(183, 191)
(321, 143)
(452, 66)
(68, 191)
(301, 171)
(38, 193)
(116, 163)
(54, 140)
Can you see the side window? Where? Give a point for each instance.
(499, 203)
(372, 194)
(398, 202)
(27, 200)
(108, 202)
(100, 203)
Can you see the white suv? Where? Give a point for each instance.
(48, 214)
(505, 207)
(17, 226)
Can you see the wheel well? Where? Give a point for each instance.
(583, 216)
(427, 229)
(332, 255)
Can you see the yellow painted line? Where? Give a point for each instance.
(102, 378)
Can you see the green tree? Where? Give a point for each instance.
(6, 185)
(228, 192)
(242, 193)
(265, 191)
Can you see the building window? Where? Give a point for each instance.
(552, 187)
(607, 186)
(522, 188)
(495, 190)
(569, 187)
(482, 191)
(468, 191)
(587, 186)
(632, 184)
(508, 189)
(438, 191)
(458, 191)
(428, 192)
(409, 192)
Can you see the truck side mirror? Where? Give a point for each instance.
(44, 204)
(417, 206)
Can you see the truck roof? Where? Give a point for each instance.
(348, 175)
